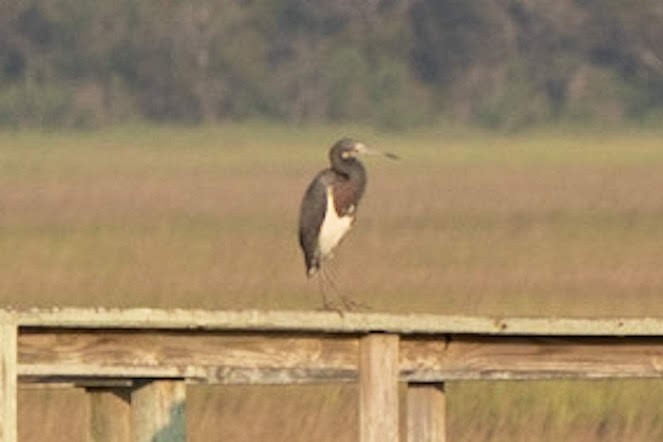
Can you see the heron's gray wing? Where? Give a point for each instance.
(311, 215)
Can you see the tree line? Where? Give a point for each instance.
(497, 63)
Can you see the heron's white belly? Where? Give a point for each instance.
(333, 227)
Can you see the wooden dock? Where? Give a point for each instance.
(136, 363)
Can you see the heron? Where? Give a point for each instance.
(329, 207)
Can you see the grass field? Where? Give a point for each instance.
(540, 223)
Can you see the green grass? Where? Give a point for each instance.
(548, 222)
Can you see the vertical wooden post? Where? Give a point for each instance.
(158, 412)
(426, 411)
(110, 414)
(8, 382)
(378, 388)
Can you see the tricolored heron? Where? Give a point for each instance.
(330, 203)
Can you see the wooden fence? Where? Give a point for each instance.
(135, 363)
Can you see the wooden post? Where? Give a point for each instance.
(110, 414)
(8, 382)
(426, 411)
(158, 412)
(378, 388)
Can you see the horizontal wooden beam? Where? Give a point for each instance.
(491, 357)
(235, 358)
(255, 358)
(87, 382)
(319, 321)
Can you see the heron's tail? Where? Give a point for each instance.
(312, 268)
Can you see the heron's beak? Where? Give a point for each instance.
(363, 150)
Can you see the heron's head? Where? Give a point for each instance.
(347, 148)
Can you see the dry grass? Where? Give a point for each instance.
(536, 224)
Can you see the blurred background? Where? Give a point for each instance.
(494, 63)
(154, 153)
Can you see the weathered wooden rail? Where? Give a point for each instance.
(135, 363)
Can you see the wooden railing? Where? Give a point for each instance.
(135, 363)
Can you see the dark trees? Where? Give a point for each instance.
(394, 63)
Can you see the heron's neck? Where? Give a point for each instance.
(351, 168)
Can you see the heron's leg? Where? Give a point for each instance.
(341, 302)
(324, 283)
(331, 276)
(346, 302)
